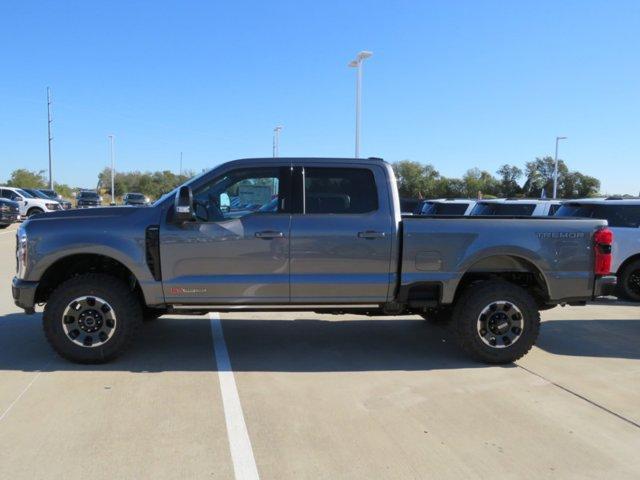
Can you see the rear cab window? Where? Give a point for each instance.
(339, 191)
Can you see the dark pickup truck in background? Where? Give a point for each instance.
(323, 235)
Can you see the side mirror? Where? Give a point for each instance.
(183, 205)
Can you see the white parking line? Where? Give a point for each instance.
(24, 390)
(244, 465)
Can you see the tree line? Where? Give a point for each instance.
(151, 184)
(417, 180)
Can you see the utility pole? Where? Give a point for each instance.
(49, 135)
(276, 141)
(555, 168)
(180, 163)
(357, 64)
(113, 171)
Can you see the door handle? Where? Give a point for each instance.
(371, 235)
(269, 234)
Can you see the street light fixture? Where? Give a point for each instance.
(555, 168)
(276, 141)
(357, 63)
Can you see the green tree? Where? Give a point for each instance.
(23, 178)
(479, 182)
(509, 176)
(415, 180)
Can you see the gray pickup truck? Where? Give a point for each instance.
(315, 234)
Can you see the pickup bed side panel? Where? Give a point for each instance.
(442, 250)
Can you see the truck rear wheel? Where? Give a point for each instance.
(629, 282)
(496, 321)
(91, 318)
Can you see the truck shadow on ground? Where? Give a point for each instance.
(305, 345)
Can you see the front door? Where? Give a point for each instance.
(237, 248)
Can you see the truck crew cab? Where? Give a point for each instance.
(314, 234)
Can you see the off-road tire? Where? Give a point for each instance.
(626, 279)
(121, 298)
(470, 305)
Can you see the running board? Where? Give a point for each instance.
(202, 309)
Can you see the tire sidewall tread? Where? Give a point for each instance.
(470, 304)
(121, 298)
(623, 290)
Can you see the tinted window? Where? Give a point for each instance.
(616, 215)
(553, 208)
(10, 194)
(428, 208)
(450, 208)
(340, 190)
(87, 195)
(523, 209)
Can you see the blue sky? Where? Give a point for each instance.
(453, 83)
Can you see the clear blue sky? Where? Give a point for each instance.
(453, 83)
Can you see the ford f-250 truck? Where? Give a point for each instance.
(323, 235)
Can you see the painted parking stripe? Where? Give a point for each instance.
(244, 464)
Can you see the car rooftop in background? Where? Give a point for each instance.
(531, 207)
(446, 206)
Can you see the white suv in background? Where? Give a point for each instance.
(446, 206)
(623, 216)
(29, 205)
(528, 207)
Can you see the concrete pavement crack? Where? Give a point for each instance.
(582, 397)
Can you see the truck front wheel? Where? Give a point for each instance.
(496, 321)
(91, 318)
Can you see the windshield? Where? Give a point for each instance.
(87, 195)
(171, 193)
(135, 196)
(24, 194)
(38, 194)
(525, 209)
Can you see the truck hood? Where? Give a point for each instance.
(93, 214)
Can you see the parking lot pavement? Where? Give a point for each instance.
(323, 397)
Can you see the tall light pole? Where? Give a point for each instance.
(555, 168)
(276, 141)
(180, 163)
(113, 172)
(49, 120)
(357, 64)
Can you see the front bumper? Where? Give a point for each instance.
(604, 286)
(7, 218)
(24, 294)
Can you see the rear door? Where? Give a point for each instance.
(341, 239)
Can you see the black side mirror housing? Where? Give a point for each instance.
(183, 205)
